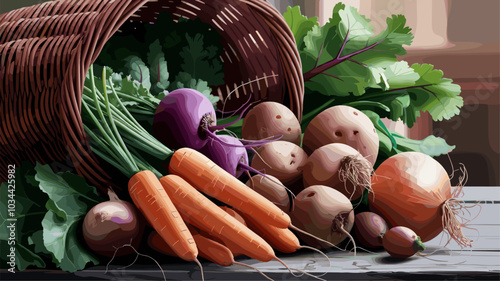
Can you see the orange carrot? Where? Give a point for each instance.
(208, 248)
(234, 214)
(211, 179)
(281, 239)
(154, 203)
(157, 243)
(198, 210)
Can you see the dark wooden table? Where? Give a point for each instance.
(450, 262)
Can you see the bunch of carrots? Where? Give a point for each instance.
(175, 204)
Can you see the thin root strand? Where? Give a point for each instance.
(254, 268)
(355, 169)
(138, 254)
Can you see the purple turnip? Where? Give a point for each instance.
(233, 157)
(183, 118)
(186, 118)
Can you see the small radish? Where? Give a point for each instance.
(402, 242)
(369, 229)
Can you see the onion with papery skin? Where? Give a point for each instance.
(412, 189)
(112, 224)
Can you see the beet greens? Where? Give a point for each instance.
(345, 62)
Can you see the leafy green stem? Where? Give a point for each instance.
(128, 157)
(339, 59)
(361, 104)
(384, 94)
(108, 155)
(143, 102)
(410, 87)
(131, 130)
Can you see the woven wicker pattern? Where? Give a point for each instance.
(257, 43)
(46, 50)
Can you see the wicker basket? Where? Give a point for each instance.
(46, 50)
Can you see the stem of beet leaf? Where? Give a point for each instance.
(324, 67)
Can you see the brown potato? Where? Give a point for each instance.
(339, 166)
(342, 124)
(268, 119)
(272, 189)
(323, 212)
(281, 159)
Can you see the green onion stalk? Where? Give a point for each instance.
(115, 134)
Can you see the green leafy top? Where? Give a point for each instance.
(408, 91)
(344, 56)
(156, 53)
(49, 208)
(70, 198)
(29, 212)
(158, 67)
(201, 61)
(437, 95)
(299, 24)
(345, 61)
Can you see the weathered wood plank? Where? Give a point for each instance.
(482, 193)
(450, 262)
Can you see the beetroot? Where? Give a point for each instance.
(369, 229)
